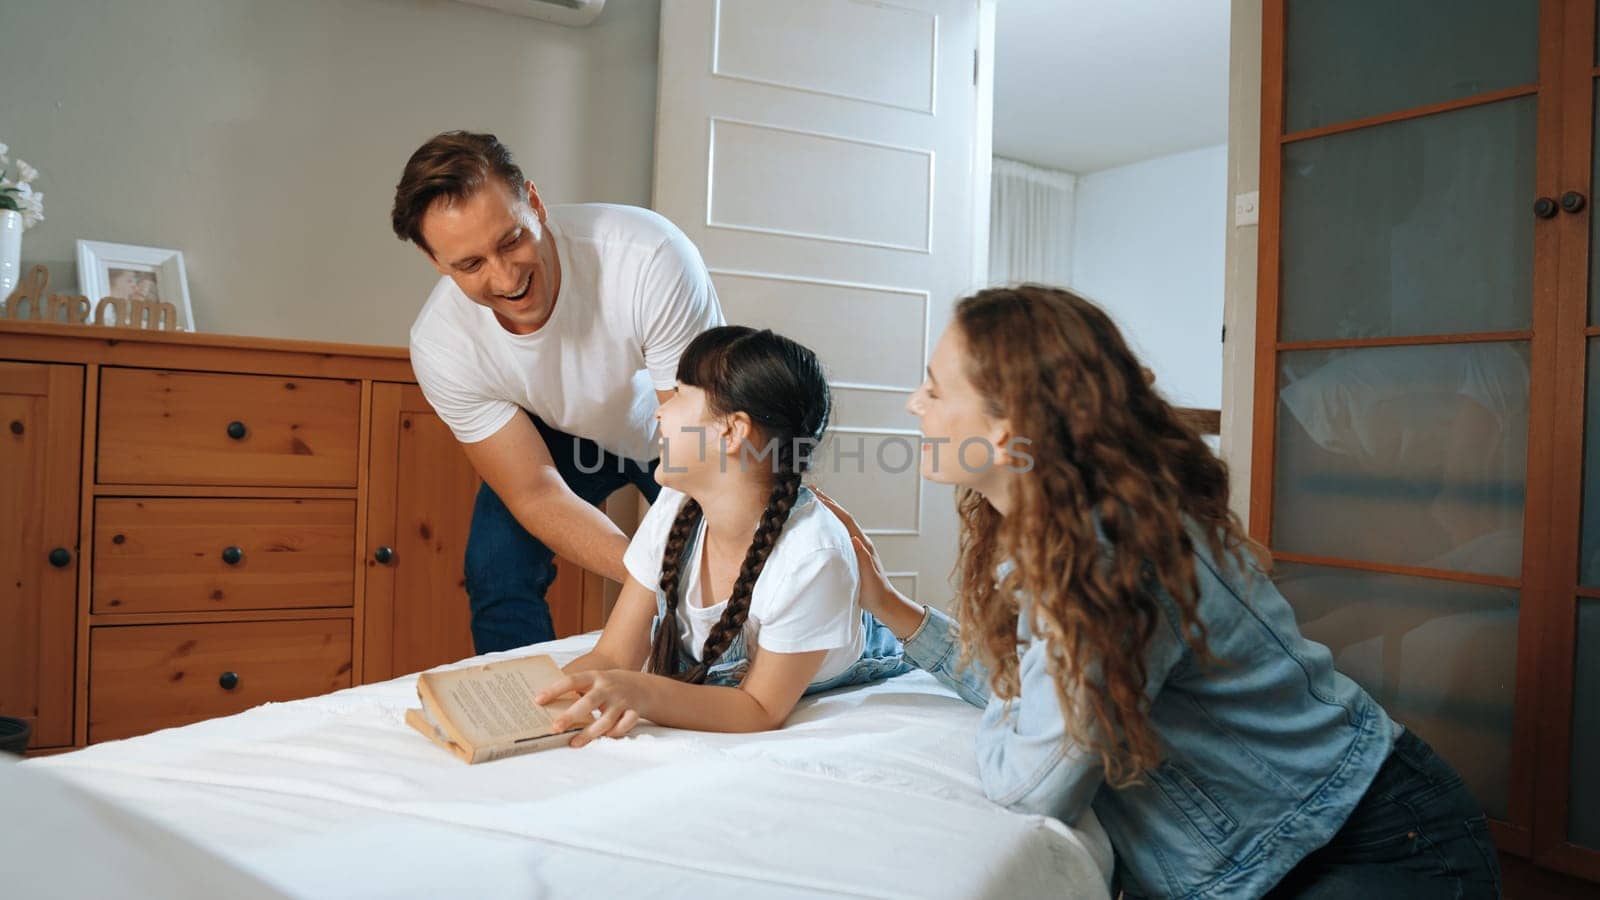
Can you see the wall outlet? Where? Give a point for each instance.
(1247, 209)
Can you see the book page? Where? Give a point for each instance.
(494, 703)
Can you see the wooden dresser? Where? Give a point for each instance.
(191, 525)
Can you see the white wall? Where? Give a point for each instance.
(1149, 248)
(263, 138)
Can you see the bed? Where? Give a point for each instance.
(869, 791)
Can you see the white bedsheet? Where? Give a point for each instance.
(866, 792)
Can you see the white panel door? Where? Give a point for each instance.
(830, 160)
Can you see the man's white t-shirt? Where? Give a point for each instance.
(634, 292)
(805, 599)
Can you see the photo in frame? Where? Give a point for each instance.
(131, 273)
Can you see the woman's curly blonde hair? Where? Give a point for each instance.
(1106, 449)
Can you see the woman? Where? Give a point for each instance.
(742, 589)
(1127, 651)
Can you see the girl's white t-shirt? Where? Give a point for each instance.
(634, 292)
(805, 599)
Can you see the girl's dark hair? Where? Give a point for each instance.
(780, 385)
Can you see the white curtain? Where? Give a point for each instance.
(1030, 224)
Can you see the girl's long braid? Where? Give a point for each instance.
(664, 648)
(785, 491)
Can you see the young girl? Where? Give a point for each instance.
(742, 595)
(1131, 657)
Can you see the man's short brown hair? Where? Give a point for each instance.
(452, 166)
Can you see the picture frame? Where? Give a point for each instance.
(130, 272)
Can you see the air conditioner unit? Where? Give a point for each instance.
(561, 12)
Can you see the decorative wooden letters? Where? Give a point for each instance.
(29, 301)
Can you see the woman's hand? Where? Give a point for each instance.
(621, 697)
(878, 596)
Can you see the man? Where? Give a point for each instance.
(546, 346)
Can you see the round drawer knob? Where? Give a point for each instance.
(237, 431)
(232, 555)
(1573, 202)
(229, 680)
(383, 555)
(1544, 207)
(60, 557)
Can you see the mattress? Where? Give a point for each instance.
(870, 792)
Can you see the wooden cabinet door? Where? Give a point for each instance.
(41, 445)
(419, 512)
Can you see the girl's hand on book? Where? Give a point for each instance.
(616, 694)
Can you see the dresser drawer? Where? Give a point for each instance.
(161, 427)
(181, 555)
(146, 677)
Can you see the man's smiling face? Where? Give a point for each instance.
(495, 245)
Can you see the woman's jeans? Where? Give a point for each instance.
(508, 570)
(1416, 834)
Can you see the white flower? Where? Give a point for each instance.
(24, 190)
(26, 173)
(32, 208)
(4, 160)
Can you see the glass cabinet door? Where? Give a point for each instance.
(1404, 316)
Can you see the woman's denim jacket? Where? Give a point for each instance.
(1268, 748)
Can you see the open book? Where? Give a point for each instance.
(487, 712)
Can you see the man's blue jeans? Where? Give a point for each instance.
(508, 570)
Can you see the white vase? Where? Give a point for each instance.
(10, 251)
